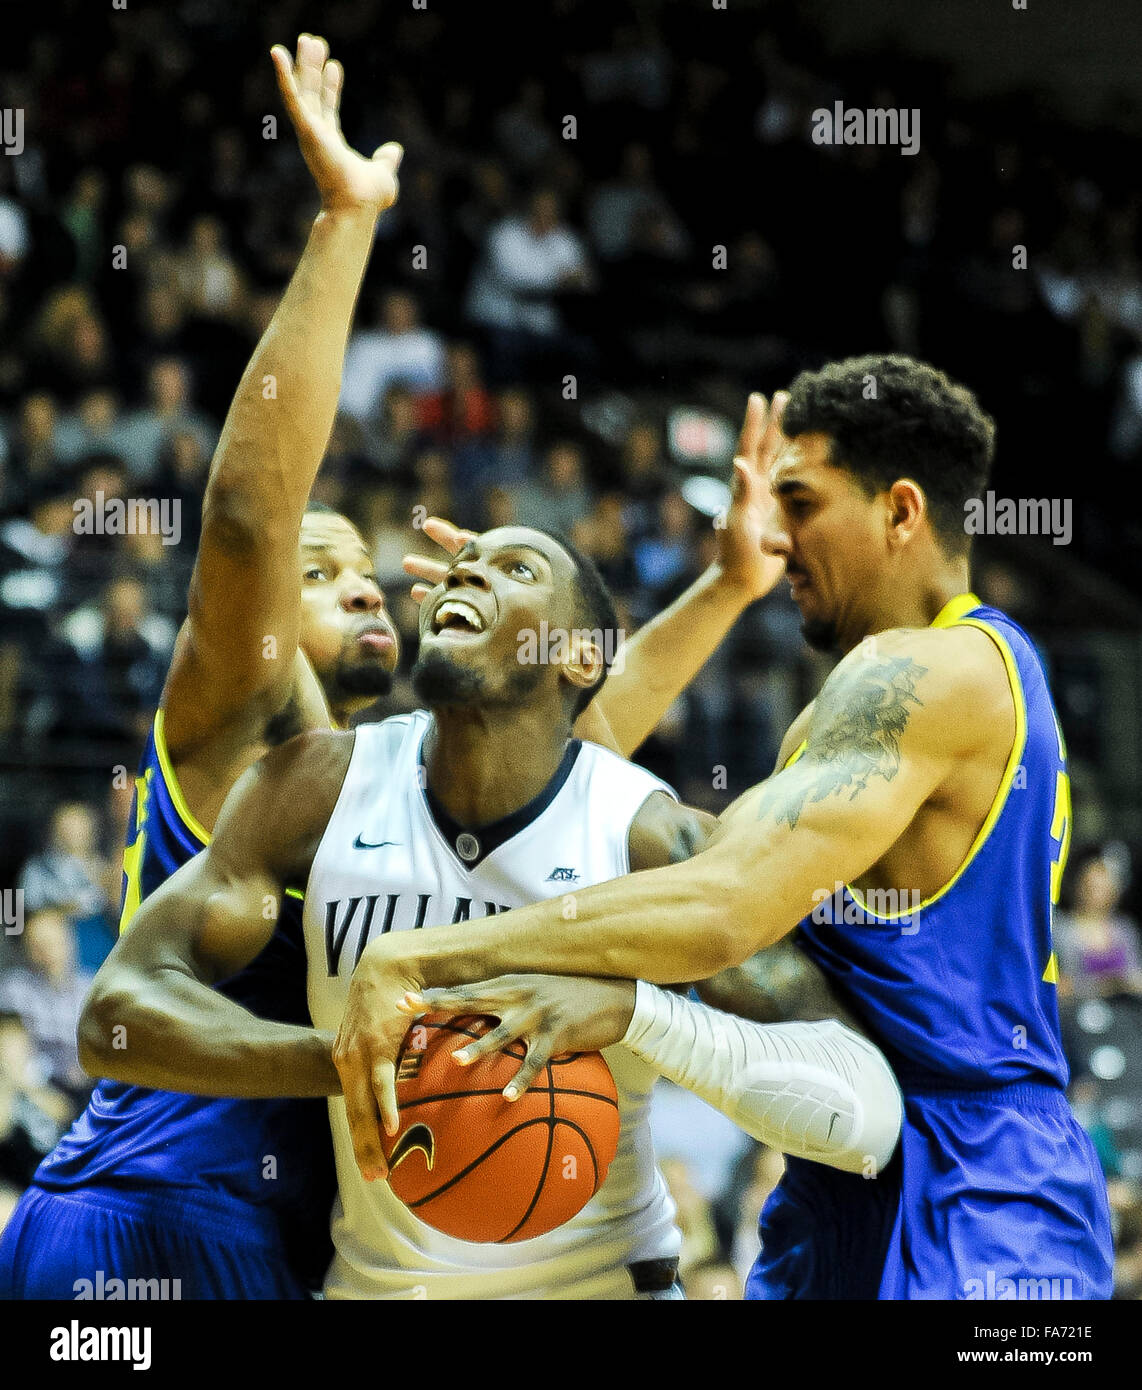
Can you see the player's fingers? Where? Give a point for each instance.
(753, 426)
(287, 82)
(744, 480)
(420, 592)
(390, 153)
(493, 1041)
(385, 1090)
(447, 534)
(362, 1116)
(312, 53)
(332, 77)
(538, 1056)
(462, 999)
(771, 440)
(423, 567)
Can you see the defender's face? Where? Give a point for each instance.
(346, 632)
(832, 536)
(475, 625)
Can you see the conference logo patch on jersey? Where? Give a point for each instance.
(562, 875)
(416, 1137)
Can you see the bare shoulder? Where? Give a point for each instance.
(666, 832)
(283, 802)
(945, 683)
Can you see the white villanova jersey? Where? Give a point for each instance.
(392, 860)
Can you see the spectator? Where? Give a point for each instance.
(400, 352)
(663, 558)
(32, 1111)
(1098, 947)
(509, 458)
(603, 535)
(47, 992)
(527, 263)
(560, 498)
(206, 275)
(91, 428)
(70, 873)
(463, 408)
(644, 477)
(630, 202)
(523, 130)
(169, 411)
(33, 443)
(121, 651)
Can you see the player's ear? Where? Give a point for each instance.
(906, 509)
(584, 663)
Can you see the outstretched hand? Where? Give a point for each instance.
(741, 531)
(311, 89)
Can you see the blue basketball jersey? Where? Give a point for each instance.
(994, 1184)
(961, 985)
(263, 1166)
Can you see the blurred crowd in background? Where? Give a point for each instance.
(559, 326)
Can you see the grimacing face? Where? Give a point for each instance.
(499, 588)
(346, 631)
(833, 537)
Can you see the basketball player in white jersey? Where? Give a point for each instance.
(483, 805)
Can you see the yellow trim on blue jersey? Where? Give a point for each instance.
(185, 814)
(133, 853)
(955, 609)
(1050, 976)
(1014, 762)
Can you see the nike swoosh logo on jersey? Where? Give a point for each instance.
(358, 843)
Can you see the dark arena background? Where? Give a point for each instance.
(153, 205)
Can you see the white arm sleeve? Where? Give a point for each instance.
(812, 1090)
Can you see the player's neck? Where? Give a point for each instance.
(915, 603)
(484, 764)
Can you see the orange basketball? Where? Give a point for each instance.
(478, 1167)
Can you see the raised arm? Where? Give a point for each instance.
(656, 665)
(245, 587)
(152, 1017)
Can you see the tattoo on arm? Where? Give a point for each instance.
(854, 736)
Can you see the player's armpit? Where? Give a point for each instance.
(152, 1017)
(778, 985)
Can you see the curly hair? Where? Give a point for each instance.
(889, 416)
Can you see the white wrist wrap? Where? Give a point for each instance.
(812, 1090)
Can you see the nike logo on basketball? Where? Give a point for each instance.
(358, 843)
(417, 1136)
